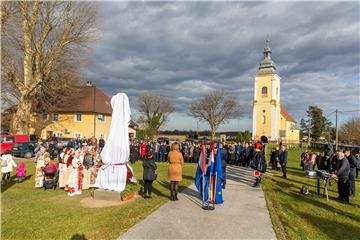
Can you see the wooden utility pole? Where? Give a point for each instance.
(337, 131)
(309, 136)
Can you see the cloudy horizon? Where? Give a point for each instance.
(182, 50)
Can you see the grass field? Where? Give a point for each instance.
(29, 213)
(297, 216)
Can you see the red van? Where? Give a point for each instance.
(8, 141)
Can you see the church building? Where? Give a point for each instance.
(271, 121)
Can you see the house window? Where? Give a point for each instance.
(59, 134)
(55, 117)
(101, 117)
(77, 135)
(264, 92)
(78, 117)
(263, 120)
(45, 117)
(282, 133)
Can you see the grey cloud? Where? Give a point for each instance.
(181, 50)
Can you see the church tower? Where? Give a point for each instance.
(266, 103)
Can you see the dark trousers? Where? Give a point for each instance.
(352, 183)
(224, 176)
(6, 176)
(147, 187)
(20, 179)
(283, 169)
(344, 189)
(156, 156)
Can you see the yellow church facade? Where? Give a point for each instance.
(270, 119)
(89, 115)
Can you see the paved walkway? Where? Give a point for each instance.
(244, 214)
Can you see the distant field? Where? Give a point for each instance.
(29, 213)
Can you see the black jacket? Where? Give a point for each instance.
(283, 157)
(352, 161)
(149, 170)
(258, 162)
(343, 169)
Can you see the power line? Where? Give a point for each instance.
(345, 111)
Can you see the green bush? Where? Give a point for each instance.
(130, 188)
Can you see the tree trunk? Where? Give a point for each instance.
(21, 120)
(213, 132)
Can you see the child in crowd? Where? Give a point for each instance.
(7, 164)
(20, 172)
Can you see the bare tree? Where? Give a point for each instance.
(215, 108)
(44, 46)
(350, 131)
(154, 110)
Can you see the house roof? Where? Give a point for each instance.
(285, 114)
(86, 99)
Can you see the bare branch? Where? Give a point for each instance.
(215, 108)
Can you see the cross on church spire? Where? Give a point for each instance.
(268, 41)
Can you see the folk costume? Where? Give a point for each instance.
(39, 174)
(76, 176)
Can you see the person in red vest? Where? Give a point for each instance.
(142, 150)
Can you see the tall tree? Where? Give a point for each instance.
(304, 128)
(240, 137)
(247, 136)
(318, 123)
(215, 108)
(154, 110)
(44, 46)
(350, 131)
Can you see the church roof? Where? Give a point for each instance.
(267, 65)
(285, 114)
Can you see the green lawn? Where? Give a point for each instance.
(29, 213)
(296, 216)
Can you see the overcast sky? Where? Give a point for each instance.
(182, 50)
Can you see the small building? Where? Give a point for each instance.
(271, 121)
(86, 114)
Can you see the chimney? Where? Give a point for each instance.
(89, 84)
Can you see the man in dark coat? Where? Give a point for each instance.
(247, 155)
(101, 144)
(283, 160)
(224, 156)
(353, 164)
(149, 174)
(343, 172)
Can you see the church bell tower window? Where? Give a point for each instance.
(264, 92)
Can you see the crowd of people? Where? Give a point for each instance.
(231, 154)
(239, 154)
(344, 163)
(74, 167)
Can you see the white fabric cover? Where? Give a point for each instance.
(116, 150)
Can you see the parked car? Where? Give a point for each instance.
(8, 141)
(23, 149)
(64, 142)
